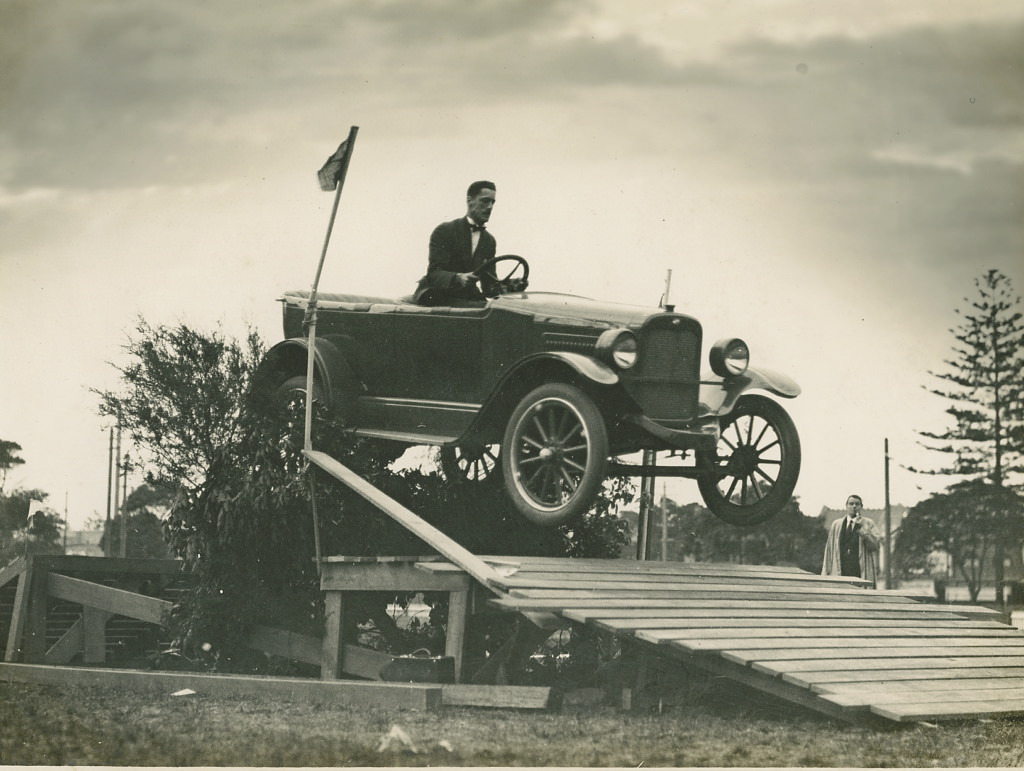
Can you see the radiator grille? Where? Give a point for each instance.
(666, 381)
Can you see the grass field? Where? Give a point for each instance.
(50, 725)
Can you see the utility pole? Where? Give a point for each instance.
(888, 523)
(124, 508)
(664, 525)
(110, 482)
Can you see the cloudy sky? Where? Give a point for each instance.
(825, 180)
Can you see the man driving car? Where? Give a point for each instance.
(457, 250)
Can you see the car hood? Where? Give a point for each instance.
(563, 308)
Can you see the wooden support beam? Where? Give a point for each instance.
(332, 655)
(94, 641)
(119, 601)
(33, 636)
(430, 535)
(12, 570)
(71, 643)
(424, 696)
(18, 617)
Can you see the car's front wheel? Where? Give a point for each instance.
(756, 463)
(554, 454)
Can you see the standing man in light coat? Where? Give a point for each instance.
(852, 545)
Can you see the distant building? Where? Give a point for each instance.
(85, 543)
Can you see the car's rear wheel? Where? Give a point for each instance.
(756, 464)
(291, 395)
(473, 462)
(554, 454)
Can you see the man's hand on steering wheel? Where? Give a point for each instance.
(509, 284)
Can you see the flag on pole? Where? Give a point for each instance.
(332, 171)
(34, 506)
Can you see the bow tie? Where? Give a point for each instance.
(477, 228)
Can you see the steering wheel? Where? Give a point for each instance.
(507, 284)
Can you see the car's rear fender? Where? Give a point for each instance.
(591, 375)
(289, 358)
(718, 395)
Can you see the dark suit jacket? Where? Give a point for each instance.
(450, 245)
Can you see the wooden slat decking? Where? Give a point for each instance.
(824, 642)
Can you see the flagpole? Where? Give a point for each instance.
(310, 322)
(310, 319)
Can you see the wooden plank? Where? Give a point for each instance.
(785, 622)
(880, 696)
(129, 604)
(853, 659)
(389, 576)
(612, 573)
(12, 570)
(774, 616)
(33, 636)
(355, 559)
(18, 616)
(71, 643)
(348, 692)
(880, 665)
(671, 629)
(703, 585)
(108, 566)
(94, 635)
(498, 696)
(913, 712)
(570, 596)
(454, 551)
(869, 645)
(332, 650)
(824, 680)
(364, 662)
(520, 604)
(925, 686)
(455, 632)
(532, 562)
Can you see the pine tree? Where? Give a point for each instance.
(983, 380)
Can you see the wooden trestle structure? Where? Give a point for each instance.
(824, 643)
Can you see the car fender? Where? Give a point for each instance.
(531, 371)
(289, 358)
(593, 370)
(718, 395)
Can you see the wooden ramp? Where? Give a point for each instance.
(826, 643)
(823, 642)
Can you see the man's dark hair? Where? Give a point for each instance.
(482, 184)
(854, 495)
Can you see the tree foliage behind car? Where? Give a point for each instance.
(241, 515)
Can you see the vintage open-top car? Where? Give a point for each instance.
(547, 392)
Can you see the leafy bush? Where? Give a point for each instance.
(242, 516)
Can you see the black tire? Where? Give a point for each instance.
(757, 463)
(476, 463)
(554, 454)
(291, 395)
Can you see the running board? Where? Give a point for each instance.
(445, 546)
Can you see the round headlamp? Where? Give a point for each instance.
(617, 348)
(729, 357)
